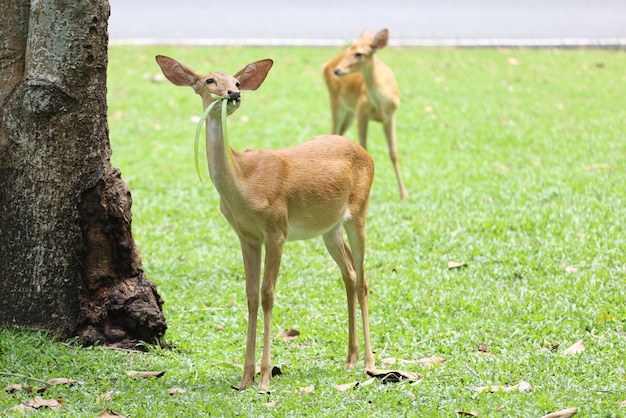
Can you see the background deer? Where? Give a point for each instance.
(358, 82)
(271, 196)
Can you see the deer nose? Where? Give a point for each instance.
(234, 94)
(337, 71)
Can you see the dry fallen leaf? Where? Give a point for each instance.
(564, 413)
(429, 361)
(521, 386)
(21, 408)
(623, 404)
(17, 388)
(547, 345)
(104, 397)
(39, 402)
(307, 389)
(108, 413)
(576, 348)
(270, 404)
(467, 414)
(456, 264)
(144, 375)
(346, 386)
(483, 348)
(392, 376)
(388, 361)
(175, 390)
(289, 334)
(64, 381)
(571, 269)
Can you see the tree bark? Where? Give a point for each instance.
(68, 260)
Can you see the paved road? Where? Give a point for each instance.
(330, 22)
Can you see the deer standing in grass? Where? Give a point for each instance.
(272, 196)
(358, 82)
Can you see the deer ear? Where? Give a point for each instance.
(179, 74)
(367, 35)
(381, 39)
(253, 75)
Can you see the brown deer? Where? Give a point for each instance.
(358, 82)
(320, 187)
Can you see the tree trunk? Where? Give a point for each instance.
(68, 261)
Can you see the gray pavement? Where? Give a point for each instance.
(332, 22)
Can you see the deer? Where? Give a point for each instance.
(360, 83)
(269, 197)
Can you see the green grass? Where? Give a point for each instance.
(515, 162)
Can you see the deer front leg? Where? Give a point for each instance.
(252, 266)
(340, 252)
(362, 122)
(273, 255)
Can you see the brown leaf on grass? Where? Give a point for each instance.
(456, 264)
(63, 381)
(275, 370)
(18, 388)
(388, 361)
(346, 386)
(521, 386)
(270, 404)
(21, 408)
(576, 348)
(392, 376)
(39, 402)
(144, 375)
(467, 414)
(483, 348)
(430, 361)
(570, 269)
(564, 413)
(547, 345)
(104, 397)
(174, 390)
(307, 389)
(289, 334)
(623, 404)
(108, 413)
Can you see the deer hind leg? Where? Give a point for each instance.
(343, 257)
(252, 265)
(273, 255)
(390, 134)
(355, 229)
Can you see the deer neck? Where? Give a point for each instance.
(372, 76)
(223, 173)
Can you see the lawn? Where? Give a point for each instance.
(515, 164)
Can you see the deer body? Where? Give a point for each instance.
(271, 196)
(360, 84)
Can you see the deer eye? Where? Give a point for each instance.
(210, 81)
(237, 84)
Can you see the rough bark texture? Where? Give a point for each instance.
(68, 261)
